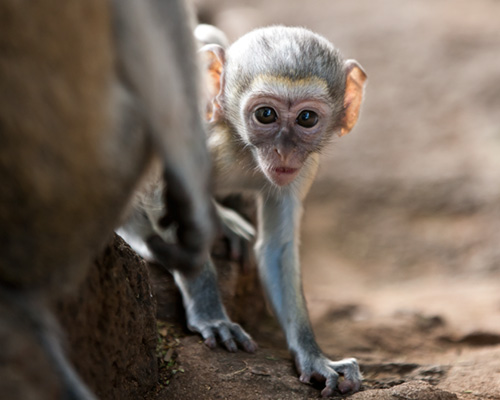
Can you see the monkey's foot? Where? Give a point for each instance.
(229, 333)
(322, 369)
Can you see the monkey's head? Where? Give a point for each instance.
(285, 92)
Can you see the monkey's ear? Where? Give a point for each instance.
(214, 58)
(353, 97)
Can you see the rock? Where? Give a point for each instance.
(111, 326)
(415, 390)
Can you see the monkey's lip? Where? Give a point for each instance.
(282, 176)
(285, 170)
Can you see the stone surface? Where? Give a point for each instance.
(111, 326)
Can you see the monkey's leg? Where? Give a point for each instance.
(278, 259)
(155, 57)
(27, 321)
(205, 311)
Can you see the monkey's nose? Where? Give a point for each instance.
(280, 153)
(284, 153)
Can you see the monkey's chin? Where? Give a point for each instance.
(282, 176)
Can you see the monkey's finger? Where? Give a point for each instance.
(349, 368)
(243, 339)
(250, 346)
(327, 391)
(210, 342)
(209, 338)
(230, 345)
(348, 386)
(330, 384)
(305, 378)
(227, 338)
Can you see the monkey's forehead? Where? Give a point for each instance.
(288, 88)
(292, 53)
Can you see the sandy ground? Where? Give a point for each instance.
(401, 238)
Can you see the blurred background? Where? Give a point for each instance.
(405, 213)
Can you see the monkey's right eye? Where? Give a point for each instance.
(266, 115)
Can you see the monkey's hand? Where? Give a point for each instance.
(206, 314)
(320, 368)
(194, 217)
(229, 333)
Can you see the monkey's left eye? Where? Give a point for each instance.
(307, 119)
(266, 115)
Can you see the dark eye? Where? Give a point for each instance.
(307, 119)
(266, 115)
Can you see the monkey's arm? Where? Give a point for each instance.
(204, 309)
(205, 312)
(278, 259)
(162, 75)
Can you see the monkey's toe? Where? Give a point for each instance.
(349, 368)
(250, 346)
(347, 386)
(230, 345)
(230, 334)
(321, 369)
(328, 390)
(210, 342)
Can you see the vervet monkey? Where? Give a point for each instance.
(277, 96)
(93, 93)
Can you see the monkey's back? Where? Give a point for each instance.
(61, 190)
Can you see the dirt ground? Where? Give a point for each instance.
(401, 236)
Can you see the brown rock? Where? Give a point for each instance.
(111, 326)
(416, 390)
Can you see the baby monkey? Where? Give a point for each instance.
(277, 96)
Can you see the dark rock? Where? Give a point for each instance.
(111, 326)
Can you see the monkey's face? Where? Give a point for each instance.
(284, 122)
(284, 92)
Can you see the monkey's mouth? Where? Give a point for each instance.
(285, 170)
(282, 176)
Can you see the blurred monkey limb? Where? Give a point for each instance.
(276, 97)
(93, 94)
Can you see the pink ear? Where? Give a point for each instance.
(214, 60)
(353, 96)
